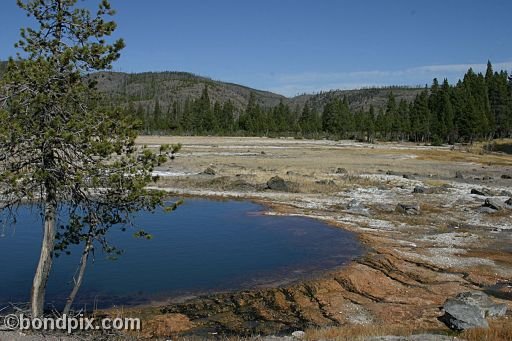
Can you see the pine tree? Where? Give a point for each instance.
(345, 120)
(306, 121)
(392, 125)
(435, 104)
(447, 112)
(404, 120)
(157, 116)
(370, 124)
(329, 117)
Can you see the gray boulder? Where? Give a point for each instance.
(420, 189)
(469, 310)
(277, 184)
(459, 315)
(357, 207)
(485, 303)
(492, 204)
(412, 209)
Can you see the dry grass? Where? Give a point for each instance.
(359, 332)
(475, 153)
(499, 330)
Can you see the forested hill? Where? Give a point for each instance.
(359, 99)
(168, 87)
(144, 89)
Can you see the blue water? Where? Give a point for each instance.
(204, 246)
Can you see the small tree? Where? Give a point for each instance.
(58, 148)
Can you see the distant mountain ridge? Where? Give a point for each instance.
(144, 89)
(166, 87)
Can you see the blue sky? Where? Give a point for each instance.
(296, 46)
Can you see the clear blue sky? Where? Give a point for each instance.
(294, 46)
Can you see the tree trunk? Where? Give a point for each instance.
(45, 259)
(79, 279)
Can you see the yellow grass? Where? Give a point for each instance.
(499, 330)
(360, 332)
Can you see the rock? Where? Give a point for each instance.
(458, 175)
(419, 189)
(408, 209)
(483, 192)
(469, 310)
(459, 315)
(509, 202)
(299, 334)
(504, 193)
(277, 184)
(357, 207)
(209, 171)
(484, 302)
(506, 176)
(492, 204)
(341, 171)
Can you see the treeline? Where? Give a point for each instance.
(478, 107)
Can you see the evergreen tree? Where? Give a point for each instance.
(370, 124)
(447, 110)
(329, 117)
(392, 124)
(404, 120)
(157, 116)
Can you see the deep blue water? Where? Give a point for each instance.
(204, 246)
